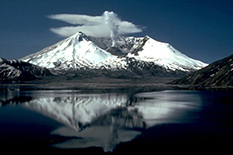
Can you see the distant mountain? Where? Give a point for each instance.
(131, 56)
(14, 70)
(219, 73)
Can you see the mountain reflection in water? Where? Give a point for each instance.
(100, 120)
(106, 119)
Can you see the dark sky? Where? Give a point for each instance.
(201, 29)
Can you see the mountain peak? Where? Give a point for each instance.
(77, 51)
(81, 36)
(147, 37)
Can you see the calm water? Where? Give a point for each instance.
(74, 121)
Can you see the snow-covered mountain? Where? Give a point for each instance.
(130, 53)
(76, 51)
(14, 70)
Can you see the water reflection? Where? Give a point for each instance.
(105, 119)
(77, 110)
(168, 106)
(102, 120)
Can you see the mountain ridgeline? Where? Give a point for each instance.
(80, 56)
(217, 74)
(16, 70)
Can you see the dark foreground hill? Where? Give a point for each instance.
(217, 74)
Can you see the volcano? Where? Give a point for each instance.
(141, 56)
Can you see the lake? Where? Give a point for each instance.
(75, 121)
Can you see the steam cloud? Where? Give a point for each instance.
(106, 25)
(112, 21)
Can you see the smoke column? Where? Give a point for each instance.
(112, 21)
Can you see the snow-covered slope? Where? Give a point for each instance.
(80, 52)
(76, 51)
(149, 50)
(14, 70)
(163, 54)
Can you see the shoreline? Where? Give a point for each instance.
(109, 86)
(95, 83)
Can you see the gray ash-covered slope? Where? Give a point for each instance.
(81, 55)
(218, 73)
(16, 70)
(123, 46)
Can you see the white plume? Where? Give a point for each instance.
(112, 21)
